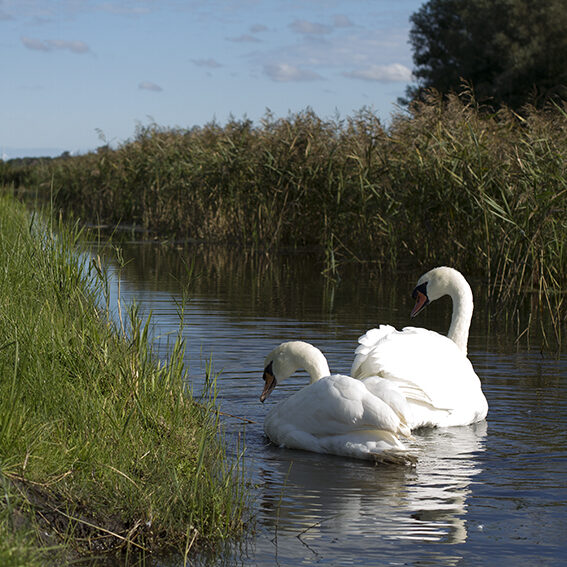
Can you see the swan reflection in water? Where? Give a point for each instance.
(316, 496)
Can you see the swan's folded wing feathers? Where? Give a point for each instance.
(408, 389)
(366, 343)
(405, 358)
(374, 336)
(321, 407)
(379, 415)
(333, 406)
(351, 404)
(388, 392)
(373, 342)
(380, 361)
(362, 409)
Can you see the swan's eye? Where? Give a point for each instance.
(422, 288)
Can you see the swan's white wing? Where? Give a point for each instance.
(336, 405)
(431, 372)
(388, 392)
(338, 415)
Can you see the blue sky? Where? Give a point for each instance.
(75, 74)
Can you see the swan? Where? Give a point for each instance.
(334, 414)
(430, 370)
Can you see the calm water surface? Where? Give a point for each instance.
(490, 494)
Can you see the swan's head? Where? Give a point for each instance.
(435, 284)
(285, 359)
(279, 364)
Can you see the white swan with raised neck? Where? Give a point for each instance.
(430, 370)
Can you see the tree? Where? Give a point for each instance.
(510, 51)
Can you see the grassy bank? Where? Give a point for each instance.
(101, 448)
(446, 184)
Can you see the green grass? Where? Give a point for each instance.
(102, 449)
(447, 183)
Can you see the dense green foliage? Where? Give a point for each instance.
(101, 446)
(447, 184)
(509, 51)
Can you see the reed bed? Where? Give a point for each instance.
(446, 183)
(102, 448)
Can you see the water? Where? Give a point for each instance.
(490, 494)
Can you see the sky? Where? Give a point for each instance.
(78, 74)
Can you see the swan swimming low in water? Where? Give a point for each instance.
(334, 414)
(431, 371)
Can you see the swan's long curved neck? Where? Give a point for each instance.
(317, 368)
(462, 315)
(312, 360)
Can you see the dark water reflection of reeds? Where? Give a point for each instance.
(493, 493)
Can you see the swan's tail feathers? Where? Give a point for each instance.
(395, 457)
(405, 430)
(416, 395)
(409, 389)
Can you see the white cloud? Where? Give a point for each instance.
(74, 46)
(244, 38)
(393, 73)
(124, 8)
(309, 28)
(284, 73)
(258, 28)
(149, 86)
(352, 51)
(210, 63)
(342, 21)
(55, 44)
(35, 44)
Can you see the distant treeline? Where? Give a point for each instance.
(445, 183)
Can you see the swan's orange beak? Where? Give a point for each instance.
(421, 300)
(270, 383)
